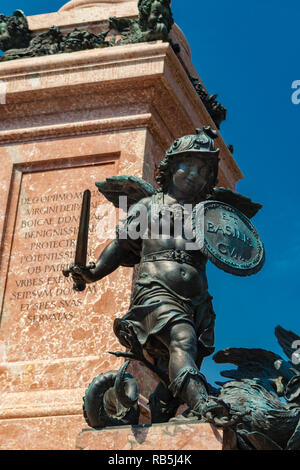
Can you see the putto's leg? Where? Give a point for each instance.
(181, 341)
(187, 383)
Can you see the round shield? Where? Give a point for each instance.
(229, 239)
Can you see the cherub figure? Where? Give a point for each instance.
(171, 316)
(154, 23)
(14, 32)
(18, 41)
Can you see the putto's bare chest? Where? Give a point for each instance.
(169, 219)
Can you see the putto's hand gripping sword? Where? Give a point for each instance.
(82, 243)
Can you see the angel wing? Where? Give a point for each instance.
(132, 187)
(242, 203)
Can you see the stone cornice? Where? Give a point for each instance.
(102, 73)
(87, 127)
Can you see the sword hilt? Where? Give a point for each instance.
(78, 285)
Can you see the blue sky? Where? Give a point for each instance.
(249, 53)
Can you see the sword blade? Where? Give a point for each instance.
(82, 237)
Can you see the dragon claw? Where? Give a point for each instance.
(220, 414)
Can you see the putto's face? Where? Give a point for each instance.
(159, 17)
(190, 175)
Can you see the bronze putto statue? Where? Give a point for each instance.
(171, 318)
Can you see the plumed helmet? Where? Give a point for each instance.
(202, 142)
(199, 145)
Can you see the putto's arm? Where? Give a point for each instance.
(123, 251)
(109, 260)
(113, 256)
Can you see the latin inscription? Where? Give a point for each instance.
(48, 226)
(229, 229)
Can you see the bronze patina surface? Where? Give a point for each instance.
(17, 41)
(169, 326)
(231, 241)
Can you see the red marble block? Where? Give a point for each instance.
(167, 436)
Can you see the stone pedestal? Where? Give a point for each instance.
(67, 121)
(168, 436)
